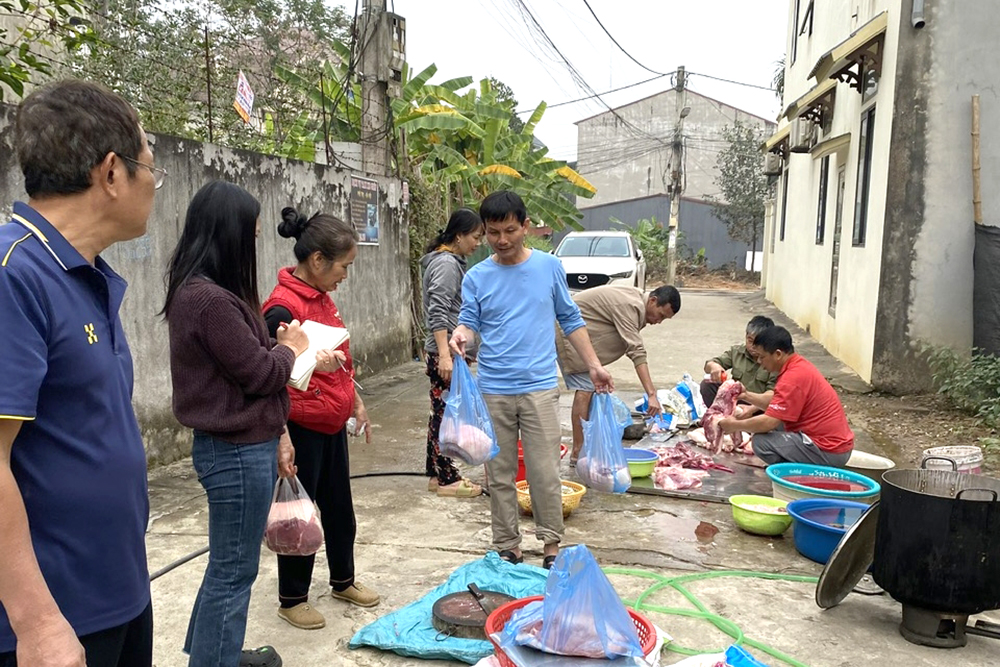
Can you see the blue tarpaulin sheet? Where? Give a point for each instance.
(409, 631)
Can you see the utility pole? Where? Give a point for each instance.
(375, 42)
(676, 172)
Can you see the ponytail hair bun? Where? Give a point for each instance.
(292, 223)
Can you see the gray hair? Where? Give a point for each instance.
(758, 324)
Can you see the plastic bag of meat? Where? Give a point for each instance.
(602, 464)
(466, 427)
(723, 406)
(581, 614)
(293, 526)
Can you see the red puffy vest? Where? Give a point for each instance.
(328, 401)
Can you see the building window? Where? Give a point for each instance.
(865, 144)
(869, 83)
(795, 30)
(824, 178)
(784, 204)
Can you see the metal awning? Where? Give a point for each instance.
(777, 141)
(861, 51)
(815, 103)
(831, 145)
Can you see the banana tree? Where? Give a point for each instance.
(466, 142)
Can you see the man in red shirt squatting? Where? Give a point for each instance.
(804, 421)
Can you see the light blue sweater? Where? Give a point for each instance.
(514, 308)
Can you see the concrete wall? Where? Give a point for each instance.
(799, 269)
(699, 226)
(374, 300)
(931, 213)
(623, 163)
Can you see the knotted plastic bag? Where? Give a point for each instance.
(602, 464)
(466, 427)
(293, 525)
(581, 614)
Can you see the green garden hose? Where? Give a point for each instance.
(700, 610)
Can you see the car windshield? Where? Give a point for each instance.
(593, 246)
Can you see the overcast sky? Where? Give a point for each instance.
(732, 39)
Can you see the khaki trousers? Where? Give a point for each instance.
(536, 417)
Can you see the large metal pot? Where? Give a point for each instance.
(938, 540)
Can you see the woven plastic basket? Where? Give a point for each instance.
(498, 619)
(570, 501)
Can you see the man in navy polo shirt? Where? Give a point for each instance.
(74, 585)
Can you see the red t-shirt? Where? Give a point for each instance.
(806, 403)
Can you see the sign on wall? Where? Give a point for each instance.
(244, 98)
(364, 209)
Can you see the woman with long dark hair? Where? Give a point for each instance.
(444, 267)
(229, 380)
(325, 247)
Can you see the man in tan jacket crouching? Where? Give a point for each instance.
(615, 315)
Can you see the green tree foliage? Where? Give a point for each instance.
(505, 96)
(742, 184)
(34, 35)
(159, 58)
(652, 238)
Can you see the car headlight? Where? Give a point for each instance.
(623, 274)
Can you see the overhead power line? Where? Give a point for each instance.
(620, 47)
(735, 83)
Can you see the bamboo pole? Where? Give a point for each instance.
(977, 197)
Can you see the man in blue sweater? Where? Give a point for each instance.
(512, 300)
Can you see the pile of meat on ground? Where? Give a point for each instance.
(680, 467)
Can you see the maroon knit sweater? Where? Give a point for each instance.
(228, 375)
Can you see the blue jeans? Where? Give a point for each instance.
(239, 480)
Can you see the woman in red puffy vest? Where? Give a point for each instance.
(325, 247)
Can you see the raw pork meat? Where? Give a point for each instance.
(723, 406)
(680, 455)
(697, 436)
(675, 478)
(293, 528)
(601, 476)
(464, 441)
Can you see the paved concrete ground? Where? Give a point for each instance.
(410, 540)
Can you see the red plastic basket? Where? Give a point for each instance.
(498, 619)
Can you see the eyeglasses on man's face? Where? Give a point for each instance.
(159, 173)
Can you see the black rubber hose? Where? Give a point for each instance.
(194, 554)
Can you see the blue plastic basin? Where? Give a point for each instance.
(819, 525)
(783, 486)
(635, 454)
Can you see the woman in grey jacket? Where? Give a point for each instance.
(444, 268)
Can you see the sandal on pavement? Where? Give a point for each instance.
(509, 556)
(302, 616)
(432, 484)
(265, 656)
(548, 561)
(463, 488)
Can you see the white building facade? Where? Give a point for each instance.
(869, 241)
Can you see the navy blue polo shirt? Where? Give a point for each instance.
(66, 372)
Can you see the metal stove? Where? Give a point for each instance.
(941, 629)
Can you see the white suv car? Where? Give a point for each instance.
(601, 258)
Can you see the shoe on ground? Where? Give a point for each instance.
(303, 616)
(432, 484)
(463, 488)
(265, 656)
(357, 594)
